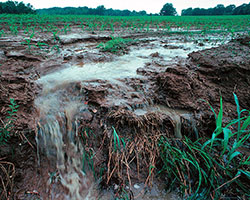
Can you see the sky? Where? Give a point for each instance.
(150, 6)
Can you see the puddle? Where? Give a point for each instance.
(156, 192)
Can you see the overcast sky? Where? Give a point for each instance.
(151, 6)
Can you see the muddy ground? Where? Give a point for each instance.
(136, 105)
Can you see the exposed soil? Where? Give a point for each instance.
(179, 84)
(208, 75)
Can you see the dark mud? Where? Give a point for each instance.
(208, 75)
(20, 147)
(205, 75)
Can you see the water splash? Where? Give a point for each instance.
(57, 135)
(174, 114)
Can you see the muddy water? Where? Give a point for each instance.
(57, 128)
(156, 192)
(123, 67)
(174, 114)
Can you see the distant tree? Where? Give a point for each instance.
(125, 13)
(243, 9)
(168, 10)
(9, 7)
(142, 13)
(13, 7)
(187, 12)
(219, 10)
(229, 9)
(197, 11)
(100, 10)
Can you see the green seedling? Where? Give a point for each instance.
(14, 29)
(43, 46)
(66, 28)
(6, 127)
(42, 28)
(55, 36)
(83, 27)
(56, 47)
(1, 33)
(27, 30)
(116, 139)
(28, 41)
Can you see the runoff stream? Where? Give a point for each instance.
(58, 119)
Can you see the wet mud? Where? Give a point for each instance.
(71, 102)
(208, 75)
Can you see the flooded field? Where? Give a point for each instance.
(97, 120)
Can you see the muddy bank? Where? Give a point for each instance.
(18, 154)
(208, 75)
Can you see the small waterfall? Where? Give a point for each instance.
(58, 138)
(60, 102)
(174, 114)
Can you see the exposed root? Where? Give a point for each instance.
(127, 156)
(7, 172)
(126, 121)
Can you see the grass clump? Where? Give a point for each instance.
(5, 129)
(213, 169)
(7, 169)
(116, 45)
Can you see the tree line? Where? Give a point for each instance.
(100, 10)
(14, 7)
(220, 9)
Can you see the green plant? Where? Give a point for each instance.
(14, 29)
(6, 128)
(88, 153)
(28, 41)
(55, 36)
(205, 170)
(1, 33)
(66, 28)
(55, 47)
(116, 45)
(43, 46)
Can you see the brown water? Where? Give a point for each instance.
(174, 114)
(58, 124)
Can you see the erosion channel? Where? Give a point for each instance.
(98, 116)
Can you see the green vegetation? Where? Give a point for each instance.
(116, 45)
(55, 24)
(28, 41)
(99, 10)
(88, 155)
(14, 7)
(206, 170)
(32, 26)
(220, 9)
(7, 126)
(168, 10)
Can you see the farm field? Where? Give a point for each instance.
(97, 107)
